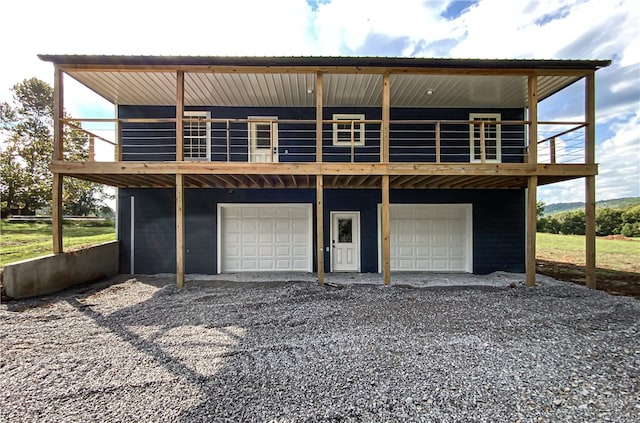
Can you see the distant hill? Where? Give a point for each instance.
(550, 209)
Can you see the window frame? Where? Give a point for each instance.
(498, 137)
(349, 117)
(191, 114)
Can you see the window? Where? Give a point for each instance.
(491, 137)
(263, 138)
(197, 136)
(342, 131)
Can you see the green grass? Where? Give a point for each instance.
(614, 254)
(21, 241)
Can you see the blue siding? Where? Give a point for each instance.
(149, 142)
(498, 224)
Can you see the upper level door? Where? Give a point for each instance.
(263, 139)
(345, 241)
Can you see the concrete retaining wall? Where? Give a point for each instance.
(44, 275)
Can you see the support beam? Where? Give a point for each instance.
(590, 182)
(533, 118)
(58, 154)
(386, 117)
(319, 82)
(386, 239)
(56, 213)
(531, 230)
(320, 227)
(179, 116)
(179, 230)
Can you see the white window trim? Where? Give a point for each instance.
(348, 117)
(478, 116)
(251, 133)
(206, 115)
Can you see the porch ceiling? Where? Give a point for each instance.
(298, 89)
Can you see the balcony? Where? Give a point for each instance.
(283, 153)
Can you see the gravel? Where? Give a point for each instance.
(470, 349)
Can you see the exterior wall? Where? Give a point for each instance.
(498, 224)
(296, 142)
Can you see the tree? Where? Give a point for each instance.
(27, 147)
(26, 151)
(540, 208)
(608, 221)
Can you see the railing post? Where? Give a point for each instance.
(386, 116)
(319, 117)
(228, 141)
(438, 142)
(533, 118)
(179, 116)
(552, 150)
(353, 147)
(271, 145)
(92, 148)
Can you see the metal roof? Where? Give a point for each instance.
(290, 81)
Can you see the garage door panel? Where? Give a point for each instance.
(265, 238)
(430, 237)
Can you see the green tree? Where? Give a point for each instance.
(572, 223)
(608, 221)
(540, 208)
(26, 151)
(27, 146)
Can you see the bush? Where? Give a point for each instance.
(609, 221)
(572, 223)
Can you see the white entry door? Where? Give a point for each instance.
(263, 139)
(345, 241)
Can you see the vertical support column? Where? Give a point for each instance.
(532, 184)
(590, 182)
(531, 230)
(179, 116)
(386, 239)
(386, 116)
(319, 83)
(58, 154)
(117, 149)
(320, 227)
(179, 230)
(533, 118)
(319, 181)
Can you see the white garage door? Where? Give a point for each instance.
(265, 237)
(431, 237)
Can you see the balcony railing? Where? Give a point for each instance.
(295, 141)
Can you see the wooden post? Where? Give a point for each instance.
(386, 239)
(437, 142)
(483, 148)
(179, 116)
(533, 118)
(386, 116)
(92, 148)
(590, 182)
(552, 151)
(228, 141)
(319, 78)
(320, 227)
(532, 187)
(58, 154)
(179, 230)
(353, 142)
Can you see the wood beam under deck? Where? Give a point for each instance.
(302, 175)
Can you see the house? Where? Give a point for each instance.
(329, 164)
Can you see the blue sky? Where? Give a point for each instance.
(554, 29)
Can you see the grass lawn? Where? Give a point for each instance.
(614, 254)
(20, 241)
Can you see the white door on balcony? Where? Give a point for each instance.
(345, 241)
(263, 139)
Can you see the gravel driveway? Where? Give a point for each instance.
(139, 350)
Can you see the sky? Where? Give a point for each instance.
(483, 29)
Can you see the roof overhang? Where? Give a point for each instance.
(347, 81)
